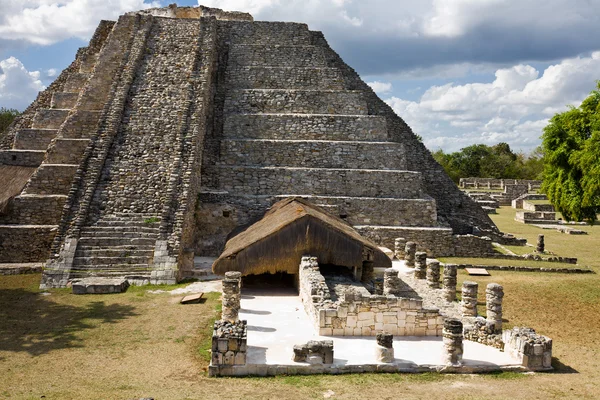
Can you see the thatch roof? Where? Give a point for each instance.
(14, 179)
(290, 229)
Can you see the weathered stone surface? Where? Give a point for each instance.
(469, 299)
(99, 286)
(420, 265)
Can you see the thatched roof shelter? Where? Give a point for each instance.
(290, 229)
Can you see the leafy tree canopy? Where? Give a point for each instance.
(498, 161)
(7, 115)
(571, 144)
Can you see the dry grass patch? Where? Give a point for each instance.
(503, 262)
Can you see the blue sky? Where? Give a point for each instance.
(458, 71)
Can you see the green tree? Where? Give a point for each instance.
(571, 144)
(7, 115)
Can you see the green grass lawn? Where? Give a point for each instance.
(501, 262)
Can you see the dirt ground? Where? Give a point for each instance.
(137, 344)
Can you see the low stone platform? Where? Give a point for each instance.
(277, 321)
(21, 269)
(99, 286)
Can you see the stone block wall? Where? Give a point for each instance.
(242, 101)
(356, 313)
(34, 210)
(22, 158)
(528, 206)
(229, 343)
(318, 154)
(332, 182)
(473, 246)
(533, 350)
(493, 183)
(51, 179)
(38, 239)
(305, 127)
(257, 54)
(249, 77)
(518, 202)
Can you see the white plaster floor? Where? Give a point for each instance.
(277, 321)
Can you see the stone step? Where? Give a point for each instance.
(249, 77)
(119, 234)
(76, 81)
(52, 179)
(64, 100)
(34, 139)
(111, 269)
(115, 229)
(122, 223)
(22, 158)
(313, 153)
(274, 33)
(67, 151)
(320, 181)
(99, 241)
(305, 127)
(97, 260)
(244, 101)
(90, 251)
(276, 56)
(34, 210)
(49, 118)
(81, 124)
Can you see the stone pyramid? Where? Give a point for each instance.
(177, 126)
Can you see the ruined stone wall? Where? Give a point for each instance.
(357, 313)
(38, 239)
(493, 183)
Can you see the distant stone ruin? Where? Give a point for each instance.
(178, 126)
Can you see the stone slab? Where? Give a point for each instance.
(99, 286)
(20, 269)
(192, 298)
(477, 271)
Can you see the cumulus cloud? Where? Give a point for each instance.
(380, 87)
(49, 21)
(513, 108)
(17, 85)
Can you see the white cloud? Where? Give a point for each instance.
(513, 108)
(51, 72)
(49, 21)
(17, 85)
(380, 87)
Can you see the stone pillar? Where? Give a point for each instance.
(494, 294)
(368, 272)
(449, 282)
(399, 246)
(409, 253)
(420, 265)
(453, 341)
(391, 282)
(384, 351)
(469, 299)
(231, 296)
(540, 244)
(433, 274)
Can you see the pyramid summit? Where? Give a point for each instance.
(178, 126)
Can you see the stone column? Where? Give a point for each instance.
(449, 282)
(391, 282)
(494, 294)
(384, 351)
(399, 246)
(433, 274)
(231, 296)
(453, 341)
(420, 265)
(469, 299)
(409, 253)
(540, 244)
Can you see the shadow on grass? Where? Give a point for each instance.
(34, 324)
(560, 368)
